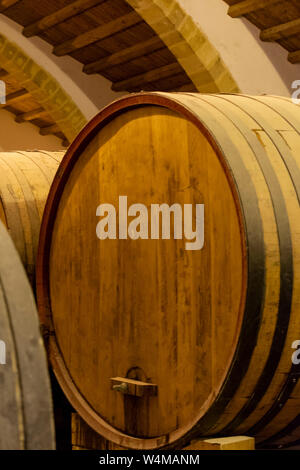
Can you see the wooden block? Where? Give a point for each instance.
(223, 443)
(85, 438)
(136, 388)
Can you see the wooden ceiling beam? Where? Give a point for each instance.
(3, 73)
(4, 4)
(294, 57)
(30, 115)
(248, 6)
(17, 96)
(54, 128)
(59, 16)
(96, 34)
(125, 55)
(281, 31)
(147, 77)
(188, 88)
(65, 143)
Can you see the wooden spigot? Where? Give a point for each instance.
(135, 388)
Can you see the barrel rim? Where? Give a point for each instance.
(183, 434)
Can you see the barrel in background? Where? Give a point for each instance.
(25, 180)
(26, 420)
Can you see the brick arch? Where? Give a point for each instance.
(198, 57)
(43, 87)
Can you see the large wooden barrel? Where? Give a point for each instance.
(25, 179)
(155, 341)
(25, 399)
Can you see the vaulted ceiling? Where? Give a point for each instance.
(115, 39)
(135, 45)
(107, 36)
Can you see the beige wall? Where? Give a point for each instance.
(24, 136)
(256, 66)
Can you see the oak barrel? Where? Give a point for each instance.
(25, 179)
(26, 420)
(155, 344)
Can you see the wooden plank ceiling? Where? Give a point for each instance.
(278, 20)
(26, 109)
(107, 36)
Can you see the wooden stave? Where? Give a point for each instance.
(26, 404)
(25, 181)
(74, 153)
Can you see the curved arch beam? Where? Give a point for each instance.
(200, 60)
(42, 87)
